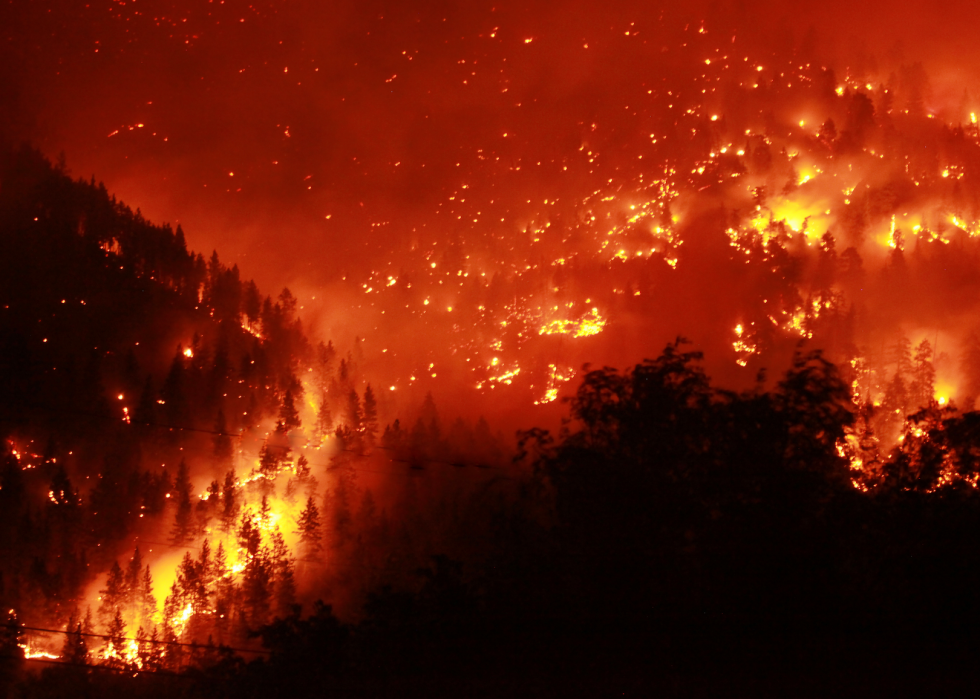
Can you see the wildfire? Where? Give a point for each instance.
(743, 346)
(590, 324)
(556, 377)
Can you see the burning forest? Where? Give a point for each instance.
(542, 349)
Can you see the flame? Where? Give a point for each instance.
(590, 324)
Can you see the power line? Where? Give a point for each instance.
(107, 637)
(101, 668)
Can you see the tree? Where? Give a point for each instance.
(970, 365)
(229, 500)
(309, 528)
(113, 596)
(324, 420)
(75, 649)
(265, 510)
(174, 393)
(222, 440)
(61, 492)
(922, 387)
(370, 414)
(134, 572)
(352, 414)
(288, 415)
(183, 522)
(251, 303)
(115, 641)
(903, 356)
(283, 580)
(146, 600)
(257, 588)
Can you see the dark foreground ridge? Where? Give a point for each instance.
(679, 541)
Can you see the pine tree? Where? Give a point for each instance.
(970, 366)
(224, 594)
(87, 625)
(370, 412)
(113, 596)
(309, 528)
(324, 420)
(251, 303)
(229, 501)
(256, 589)
(284, 583)
(288, 415)
(62, 492)
(923, 383)
(134, 572)
(75, 650)
(147, 601)
(175, 393)
(173, 607)
(265, 510)
(154, 651)
(146, 409)
(205, 564)
(249, 534)
(903, 357)
(115, 640)
(222, 442)
(143, 650)
(183, 522)
(352, 414)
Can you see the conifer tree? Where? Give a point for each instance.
(257, 589)
(87, 626)
(222, 442)
(175, 393)
(62, 492)
(183, 522)
(324, 420)
(113, 596)
(352, 414)
(923, 383)
(970, 366)
(283, 578)
(229, 501)
(115, 638)
(265, 510)
(370, 413)
(147, 600)
(145, 412)
(134, 572)
(288, 415)
(309, 528)
(75, 649)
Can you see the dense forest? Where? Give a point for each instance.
(673, 538)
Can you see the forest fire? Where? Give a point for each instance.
(454, 214)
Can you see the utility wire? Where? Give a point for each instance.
(101, 668)
(146, 640)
